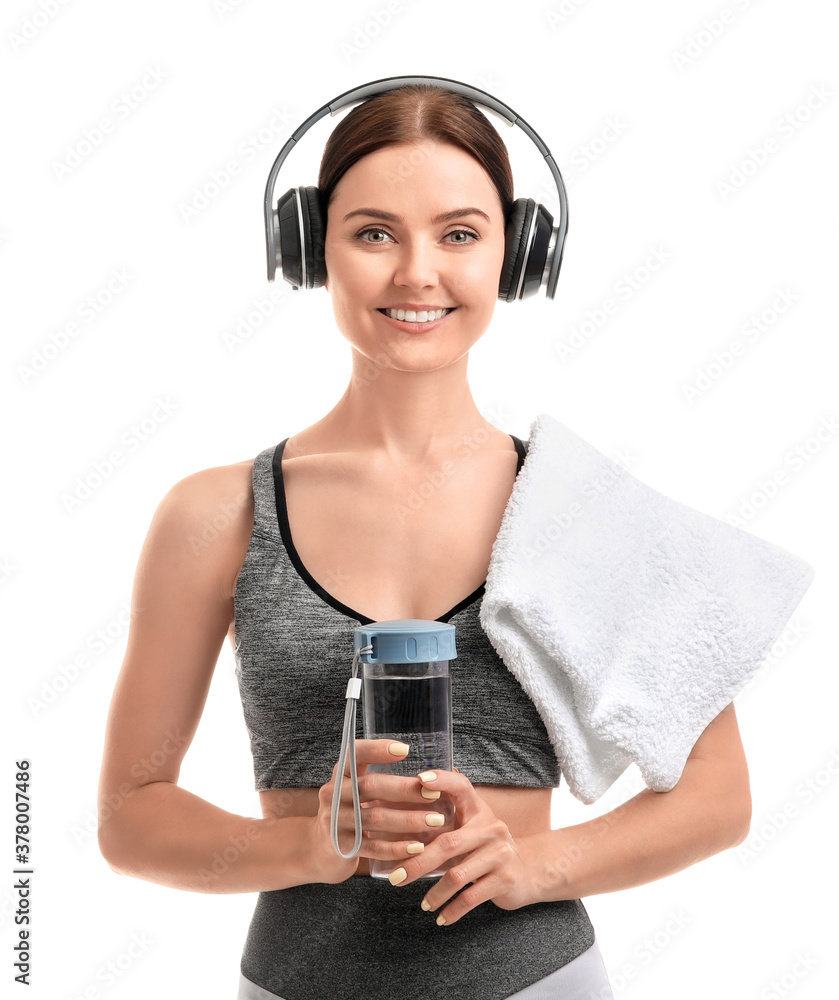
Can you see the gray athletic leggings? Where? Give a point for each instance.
(364, 939)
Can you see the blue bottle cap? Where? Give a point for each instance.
(405, 640)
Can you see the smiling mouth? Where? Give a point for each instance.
(416, 316)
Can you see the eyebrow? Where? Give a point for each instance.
(455, 213)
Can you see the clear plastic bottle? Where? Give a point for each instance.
(410, 700)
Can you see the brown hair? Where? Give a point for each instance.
(411, 114)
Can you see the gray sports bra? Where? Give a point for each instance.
(294, 650)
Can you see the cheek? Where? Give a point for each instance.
(478, 278)
(350, 276)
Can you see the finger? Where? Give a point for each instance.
(384, 819)
(449, 849)
(457, 786)
(382, 751)
(478, 877)
(395, 788)
(390, 850)
(480, 892)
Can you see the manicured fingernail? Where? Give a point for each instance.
(435, 819)
(440, 921)
(397, 875)
(415, 848)
(425, 906)
(428, 793)
(398, 749)
(427, 776)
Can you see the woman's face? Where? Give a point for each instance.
(389, 246)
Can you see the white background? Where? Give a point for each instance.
(647, 112)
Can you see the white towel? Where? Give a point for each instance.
(630, 619)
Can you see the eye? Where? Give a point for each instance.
(463, 232)
(364, 232)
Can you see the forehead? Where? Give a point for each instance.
(432, 171)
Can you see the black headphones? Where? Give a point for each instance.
(294, 230)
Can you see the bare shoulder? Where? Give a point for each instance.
(221, 484)
(210, 514)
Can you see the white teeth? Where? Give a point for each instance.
(420, 316)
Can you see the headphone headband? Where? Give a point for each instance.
(473, 94)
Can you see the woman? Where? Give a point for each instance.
(416, 186)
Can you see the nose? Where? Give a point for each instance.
(416, 265)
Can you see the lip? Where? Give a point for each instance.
(407, 327)
(417, 306)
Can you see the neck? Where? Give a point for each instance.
(408, 415)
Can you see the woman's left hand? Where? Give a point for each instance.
(488, 855)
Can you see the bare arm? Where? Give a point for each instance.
(654, 834)
(181, 609)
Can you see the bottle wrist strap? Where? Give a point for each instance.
(348, 746)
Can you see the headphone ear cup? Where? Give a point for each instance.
(314, 228)
(515, 238)
(288, 239)
(535, 265)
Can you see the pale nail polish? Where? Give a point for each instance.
(415, 848)
(427, 776)
(425, 906)
(440, 921)
(397, 875)
(398, 749)
(428, 793)
(435, 819)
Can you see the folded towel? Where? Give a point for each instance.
(630, 619)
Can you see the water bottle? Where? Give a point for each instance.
(405, 688)
(407, 696)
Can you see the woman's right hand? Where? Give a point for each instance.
(403, 815)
